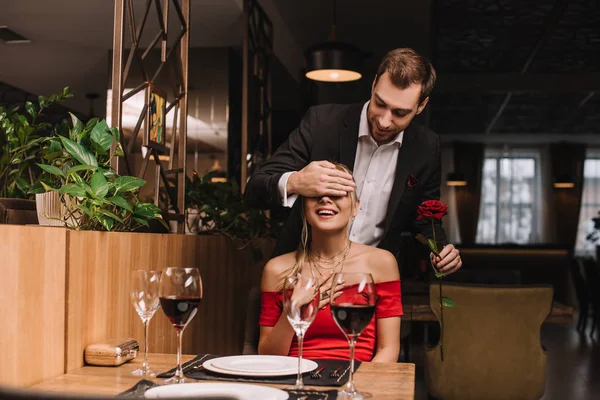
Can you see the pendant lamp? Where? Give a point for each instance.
(333, 61)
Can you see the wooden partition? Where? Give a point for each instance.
(62, 290)
(32, 299)
(99, 306)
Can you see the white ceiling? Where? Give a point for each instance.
(71, 40)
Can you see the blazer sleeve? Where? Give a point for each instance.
(293, 155)
(431, 191)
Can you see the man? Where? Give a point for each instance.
(396, 163)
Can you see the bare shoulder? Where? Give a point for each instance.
(381, 263)
(384, 265)
(275, 269)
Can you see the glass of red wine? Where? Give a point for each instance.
(301, 297)
(144, 296)
(352, 308)
(180, 293)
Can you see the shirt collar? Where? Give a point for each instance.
(363, 127)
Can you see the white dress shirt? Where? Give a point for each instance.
(374, 172)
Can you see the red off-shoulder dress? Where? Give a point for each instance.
(323, 339)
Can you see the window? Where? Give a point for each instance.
(590, 205)
(510, 197)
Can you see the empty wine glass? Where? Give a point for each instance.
(352, 311)
(144, 296)
(180, 294)
(301, 303)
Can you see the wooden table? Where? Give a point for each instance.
(383, 380)
(416, 308)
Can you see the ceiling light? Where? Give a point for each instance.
(456, 179)
(333, 61)
(564, 182)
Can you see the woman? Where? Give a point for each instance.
(325, 250)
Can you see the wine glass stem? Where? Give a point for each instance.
(145, 364)
(179, 373)
(299, 382)
(350, 385)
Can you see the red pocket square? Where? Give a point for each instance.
(412, 181)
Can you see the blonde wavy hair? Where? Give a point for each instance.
(304, 245)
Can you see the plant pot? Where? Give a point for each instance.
(192, 221)
(49, 209)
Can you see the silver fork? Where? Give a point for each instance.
(194, 365)
(336, 373)
(316, 374)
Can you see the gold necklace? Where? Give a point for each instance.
(329, 260)
(331, 270)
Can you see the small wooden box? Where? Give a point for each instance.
(113, 352)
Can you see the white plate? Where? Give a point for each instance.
(258, 365)
(209, 390)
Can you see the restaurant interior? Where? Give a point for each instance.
(209, 90)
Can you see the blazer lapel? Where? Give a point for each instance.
(408, 156)
(349, 135)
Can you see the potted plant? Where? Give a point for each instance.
(92, 196)
(220, 209)
(22, 135)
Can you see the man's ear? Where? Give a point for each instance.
(422, 105)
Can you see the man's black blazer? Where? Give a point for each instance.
(330, 132)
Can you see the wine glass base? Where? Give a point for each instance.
(355, 395)
(175, 380)
(143, 372)
(296, 387)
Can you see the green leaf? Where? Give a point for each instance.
(101, 134)
(91, 123)
(36, 188)
(77, 126)
(78, 152)
(141, 221)
(55, 146)
(433, 247)
(121, 202)
(106, 222)
(110, 214)
(448, 302)
(439, 275)
(51, 169)
(78, 168)
(99, 185)
(31, 109)
(128, 183)
(22, 184)
(117, 136)
(73, 190)
(147, 210)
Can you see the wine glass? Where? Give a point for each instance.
(301, 296)
(144, 296)
(180, 294)
(352, 310)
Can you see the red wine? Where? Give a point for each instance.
(180, 309)
(352, 318)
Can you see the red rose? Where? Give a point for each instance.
(434, 209)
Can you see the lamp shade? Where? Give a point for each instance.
(456, 179)
(563, 182)
(333, 62)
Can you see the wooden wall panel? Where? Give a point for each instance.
(99, 308)
(32, 298)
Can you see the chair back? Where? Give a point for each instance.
(252, 332)
(491, 342)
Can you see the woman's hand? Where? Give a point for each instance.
(326, 292)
